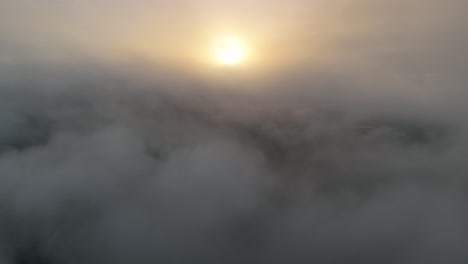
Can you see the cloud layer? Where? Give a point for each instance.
(358, 158)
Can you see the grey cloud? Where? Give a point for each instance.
(359, 158)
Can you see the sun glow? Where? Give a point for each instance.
(230, 51)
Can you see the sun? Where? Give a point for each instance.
(230, 51)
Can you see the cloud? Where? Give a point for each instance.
(356, 158)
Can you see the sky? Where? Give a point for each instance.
(345, 141)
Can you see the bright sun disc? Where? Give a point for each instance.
(230, 52)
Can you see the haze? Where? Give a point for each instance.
(342, 140)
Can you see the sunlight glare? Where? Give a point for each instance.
(230, 51)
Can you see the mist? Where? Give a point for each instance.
(356, 157)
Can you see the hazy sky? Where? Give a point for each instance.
(179, 31)
(147, 27)
(345, 142)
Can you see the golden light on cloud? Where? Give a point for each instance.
(230, 51)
